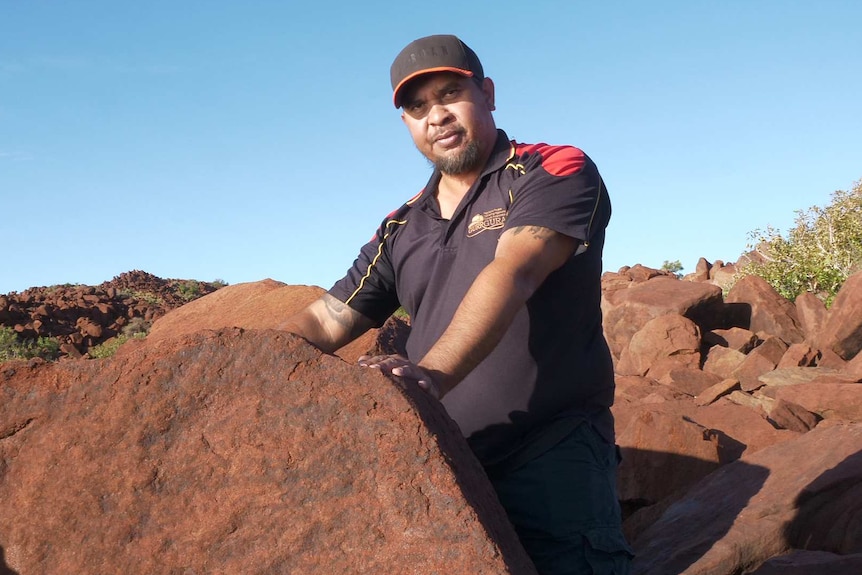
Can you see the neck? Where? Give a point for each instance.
(451, 190)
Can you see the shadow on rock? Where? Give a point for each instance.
(828, 511)
(4, 568)
(687, 529)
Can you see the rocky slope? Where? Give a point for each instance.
(80, 317)
(206, 446)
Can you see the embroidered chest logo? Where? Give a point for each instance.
(490, 220)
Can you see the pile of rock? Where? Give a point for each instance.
(80, 317)
(209, 448)
(734, 414)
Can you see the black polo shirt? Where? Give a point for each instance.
(552, 367)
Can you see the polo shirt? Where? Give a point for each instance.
(552, 368)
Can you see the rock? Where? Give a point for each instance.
(667, 337)
(842, 331)
(264, 305)
(756, 508)
(742, 340)
(811, 563)
(237, 452)
(812, 314)
(799, 355)
(767, 310)
(762, 359)
(690, 381)
(712, 393)
(828, 400)
(793, 375)
(654, 441)
(786, 415)
(750, 370)
(723, 361)
(630, 309)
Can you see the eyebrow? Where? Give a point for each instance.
(413, 98)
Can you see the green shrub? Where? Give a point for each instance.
(821, 251)
(189, 289)
(13, 347)
(673, 267)
(110, 347)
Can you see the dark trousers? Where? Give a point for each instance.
(564, 507)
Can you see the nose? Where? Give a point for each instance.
(439, 114)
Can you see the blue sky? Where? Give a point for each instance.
(247, 140)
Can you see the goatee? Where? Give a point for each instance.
(464, 161)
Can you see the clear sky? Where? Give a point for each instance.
(246, 140)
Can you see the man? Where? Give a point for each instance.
(498, 263)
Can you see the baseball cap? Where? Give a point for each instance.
(438, 53)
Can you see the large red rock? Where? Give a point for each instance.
(828, 400)
(671, 338)
(628, 310)
(803, 493)
(762, 359)
(842, 331)
(812, 314)
(265, 305)
(663, 453)
(237, 452)
(812, 563)
(760, 308)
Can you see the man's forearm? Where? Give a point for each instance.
(486, 312)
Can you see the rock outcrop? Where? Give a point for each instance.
(749, 459)
(237, 451)
(217, 444)
(81, 317)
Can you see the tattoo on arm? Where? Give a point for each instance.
(338, 311)
(538, 232)
(351, 320)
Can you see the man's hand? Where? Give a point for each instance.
(403, 368)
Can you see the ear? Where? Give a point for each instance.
(488, 91)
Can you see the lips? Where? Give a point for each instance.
(449, 138)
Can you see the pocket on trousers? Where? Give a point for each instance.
(607, 552)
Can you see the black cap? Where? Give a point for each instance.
(439, 53)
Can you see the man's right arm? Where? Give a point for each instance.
(328, 324)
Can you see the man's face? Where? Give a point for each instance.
(449, 118)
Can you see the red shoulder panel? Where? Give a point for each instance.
(557, 160)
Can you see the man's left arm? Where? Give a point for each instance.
(524, 258)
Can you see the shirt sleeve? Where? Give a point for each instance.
(561, 189)
(369, 285)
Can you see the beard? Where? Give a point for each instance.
(464, 161)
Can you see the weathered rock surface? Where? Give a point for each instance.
(80, 317)
(762, 506)
(265, 305)
(842, 331)
(626, 311)
(767, 311)
(719, 427)
(765, 383)
(237, 452)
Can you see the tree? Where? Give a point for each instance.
(673, 267)
(821, 251)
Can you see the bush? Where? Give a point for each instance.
(673, 267)
(189, 289)
(13, 347)
(819, 253)
(110, 347)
